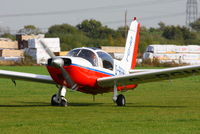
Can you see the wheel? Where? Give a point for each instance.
(63, 102)
(121, 101)
(54, 100)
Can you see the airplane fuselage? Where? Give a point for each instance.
(85, 76)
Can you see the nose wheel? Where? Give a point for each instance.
(56, 102)
(59, 99)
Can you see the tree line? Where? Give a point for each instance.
(92, 33)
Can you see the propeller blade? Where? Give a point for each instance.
(59, 63)
(50, 53)
(68, 79)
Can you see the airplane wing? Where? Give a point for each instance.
(150, 76)
(26, 76)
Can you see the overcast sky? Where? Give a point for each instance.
(44, 13)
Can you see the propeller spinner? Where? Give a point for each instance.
(59, 63)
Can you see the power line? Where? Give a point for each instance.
(135, 5)
(149, 18)
(139, 4)
(121, 21)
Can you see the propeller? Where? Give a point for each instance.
(59, 63)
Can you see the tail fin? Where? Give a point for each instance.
(129, 60)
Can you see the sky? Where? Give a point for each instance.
(14, 14)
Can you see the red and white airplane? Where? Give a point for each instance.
(93, 71)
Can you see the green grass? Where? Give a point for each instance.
(168, 107)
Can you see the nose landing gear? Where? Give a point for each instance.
(59, 99)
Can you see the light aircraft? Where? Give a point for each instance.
(93, 71)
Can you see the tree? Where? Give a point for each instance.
(123, 31)
(30, 29)
(161, 25)
(172, 33)
(62, 29)
(196, 25)
(90, 27)
(105, 32)
(187, 34)
(177, 33)
(70, 36)
(94, 29)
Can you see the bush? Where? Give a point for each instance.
(156, 63)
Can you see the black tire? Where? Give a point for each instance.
(121, 101)
(63, 103)
(53, 103)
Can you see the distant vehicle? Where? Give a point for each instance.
(93, 71)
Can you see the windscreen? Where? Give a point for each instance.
(85, 54)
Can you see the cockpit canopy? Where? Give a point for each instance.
(95, 56)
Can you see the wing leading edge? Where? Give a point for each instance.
(26, 76)
(150, 76)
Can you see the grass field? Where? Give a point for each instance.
(168, 107)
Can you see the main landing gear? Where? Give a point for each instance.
(59, 98)
(121, 101)
(118, 99)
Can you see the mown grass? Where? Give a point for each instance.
(168, 107)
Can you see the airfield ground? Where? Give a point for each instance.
(168, 107)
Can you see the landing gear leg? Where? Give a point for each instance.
(115, 92)
(118, 99)
(59, 98)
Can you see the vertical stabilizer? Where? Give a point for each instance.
(129, 60)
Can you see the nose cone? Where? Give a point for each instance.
(57, 62)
